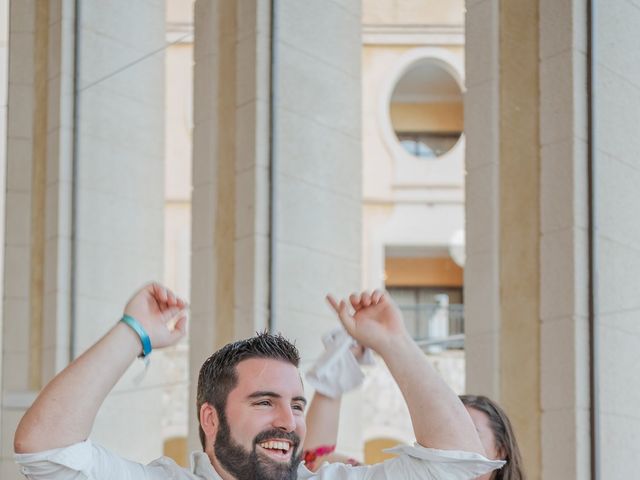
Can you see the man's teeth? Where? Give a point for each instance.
(276, 445)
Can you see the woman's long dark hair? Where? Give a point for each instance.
(503, 433)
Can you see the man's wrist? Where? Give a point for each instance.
(127, 339)
(395, 345)
(140, 332)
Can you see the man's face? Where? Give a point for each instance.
(263, 426)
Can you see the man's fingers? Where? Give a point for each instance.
(165, 298)
(179, 330)
(343, 314)
(354, 298)
(181, 325)
(171, 298)
(159, 292)
(365, 299)
(334, 303)
(376, 296)
(181, 302)
(171, 313)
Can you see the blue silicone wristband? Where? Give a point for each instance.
(144, 337)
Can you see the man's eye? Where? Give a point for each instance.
(263, 403)
(298, 407)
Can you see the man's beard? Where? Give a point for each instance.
(245, 465)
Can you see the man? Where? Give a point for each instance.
(251, 404)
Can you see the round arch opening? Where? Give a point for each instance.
(426, 109)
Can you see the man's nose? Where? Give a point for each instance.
(285, 419)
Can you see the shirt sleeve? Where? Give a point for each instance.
(414, 463)
(83, 461)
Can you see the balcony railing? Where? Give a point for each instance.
(435, 327)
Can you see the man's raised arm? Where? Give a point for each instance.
(64, 412)
(439, 419)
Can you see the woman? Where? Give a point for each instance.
(496, 435)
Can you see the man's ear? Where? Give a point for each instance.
(209, 421)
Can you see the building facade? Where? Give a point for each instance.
(329, 146)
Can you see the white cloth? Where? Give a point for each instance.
(86, 460)
(336, 371)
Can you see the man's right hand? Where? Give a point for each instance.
(160, 312)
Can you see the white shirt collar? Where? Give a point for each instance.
(201, 466)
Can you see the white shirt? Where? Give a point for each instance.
(86, 460)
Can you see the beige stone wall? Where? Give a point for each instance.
(409, 205)
(386, 166)
(413, 12)
(179, 12)
(404, 198)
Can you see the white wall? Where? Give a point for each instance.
(617, 109)
(120, 204)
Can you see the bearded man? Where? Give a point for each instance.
(251, 404)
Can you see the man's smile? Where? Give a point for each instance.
(279, 450)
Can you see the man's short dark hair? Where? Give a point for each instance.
(218, 373)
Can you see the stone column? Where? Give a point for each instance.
(564, 370)
(527, 346)
(482, 157)
(502, 274)
(24, 229)
(85, 201)
(316, 163)
(10, 409)
(519, 213)
(119, 199)
(617, 199)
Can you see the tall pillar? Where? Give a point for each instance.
(526, 277)
(85, 193)
(519, 213)
(119, 200)
(482, 157)
(502, 271)
(563, 243)
(6, 467)
(616, 97)
(258, 264)
(21, 338)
